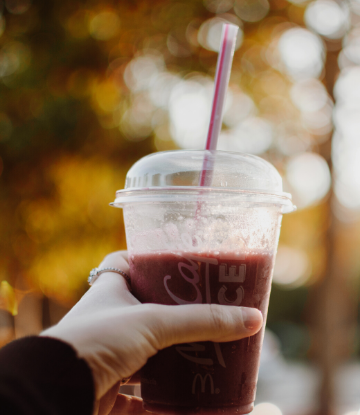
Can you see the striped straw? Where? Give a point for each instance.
(223, 68)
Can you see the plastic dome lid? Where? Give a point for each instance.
(163, 175)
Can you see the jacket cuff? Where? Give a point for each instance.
(43, 375)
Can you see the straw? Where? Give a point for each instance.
(225, 58)
(223, 68)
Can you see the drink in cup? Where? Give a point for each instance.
(212, 244)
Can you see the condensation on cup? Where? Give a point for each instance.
(191, 244)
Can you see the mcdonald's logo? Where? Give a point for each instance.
(203, 383)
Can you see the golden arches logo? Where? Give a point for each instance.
(203, 383)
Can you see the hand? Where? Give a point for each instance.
(116, 334)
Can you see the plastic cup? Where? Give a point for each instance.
(215, 244)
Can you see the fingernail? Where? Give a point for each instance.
(251, 317)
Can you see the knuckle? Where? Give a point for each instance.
(219, 316)
(155, 330)
(107, 257)
(113, 255)
(116, 259)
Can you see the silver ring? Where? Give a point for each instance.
(94, 274)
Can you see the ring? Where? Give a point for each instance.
(94, 274)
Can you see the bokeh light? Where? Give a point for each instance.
(160, 90)
(351, 49)
(218, 6)
(290, 139)
(209, 33)
(104, 25)
(178, 45)
(136, 123)
(328, 18)
(189, 111)
(17, 6)
(309, 178)
(302, 53)
(14, 58)
(346, 148)
(292, 267)
(355, 6)
(105, 95)
(254, 135)
(347, 173)
(238, 106)
(251, 10)
(142, 71)
(266, 408)
(347, 87)
(319, 122)
(311, 98)
(309, 95)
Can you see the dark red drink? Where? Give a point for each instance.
(203, 377)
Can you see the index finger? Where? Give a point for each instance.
(128, 405)
(109, 290)
(118, 259)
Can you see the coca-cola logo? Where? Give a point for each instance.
(227, 274)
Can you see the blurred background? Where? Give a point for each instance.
(88, 87)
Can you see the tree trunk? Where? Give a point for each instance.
(331, 307)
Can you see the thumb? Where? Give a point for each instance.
(203, 322)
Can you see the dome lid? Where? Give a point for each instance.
(187, 173)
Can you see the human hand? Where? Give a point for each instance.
(116, 334)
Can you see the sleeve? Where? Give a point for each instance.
(44, 376)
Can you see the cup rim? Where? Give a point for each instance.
(194, 193)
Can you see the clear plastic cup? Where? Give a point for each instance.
(211, 244)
